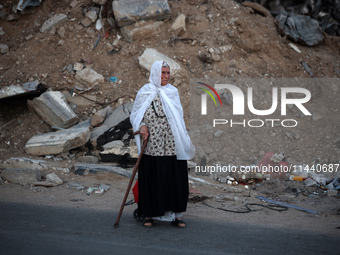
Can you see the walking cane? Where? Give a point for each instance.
(131, 181)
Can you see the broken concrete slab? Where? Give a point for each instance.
(57, 142)
(114, 127)
(100, 116)
(84, 169)
(128, 12)
(116, 151)
(150, 56)
(53, 108)
(89, 77)
(52, 22)
(21, 175)
(27, 89)
(83, 100)
(140, 30)
(25, 163)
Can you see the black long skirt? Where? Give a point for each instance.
(162, 185)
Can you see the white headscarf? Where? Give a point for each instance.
(172, 107)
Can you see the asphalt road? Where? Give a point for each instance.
(31, 229)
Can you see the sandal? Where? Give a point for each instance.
(148, 223)
(178, 223)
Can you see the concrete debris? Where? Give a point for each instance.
(25, 163)
(52, 107)
(85, 169)
(78, 67)
(141, 30)
(73, 4)
(4, 48)
(26, 3)
(104, 187)
(21, 175)
(114, 127)
(57, 142)
(53, 22)
(100, 116)
(75, 186)
(52, 177)
(332, 193)
(92, 15)
(83, 100)
(178, 27)
(116, 151)
(150, 56)
(128, 12)
(88, 159)
(27, 89)
(89, 77)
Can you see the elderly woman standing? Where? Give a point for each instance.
(162, 177)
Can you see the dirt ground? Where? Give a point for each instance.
(255, 51)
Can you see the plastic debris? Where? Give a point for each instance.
(294, 47)
(286, 205)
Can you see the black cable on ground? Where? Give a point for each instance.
(247, 209)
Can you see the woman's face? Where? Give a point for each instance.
(165, 75)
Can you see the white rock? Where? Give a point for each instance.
(152, 55)
(89, 76)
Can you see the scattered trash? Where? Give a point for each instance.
(286, 205)
(112, 79)
(307, 68)
(294, 47)
(98, 190)
(95, 45)
(300, 28)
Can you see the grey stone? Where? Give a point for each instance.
(75, 186)
(53, 108)
(150, 56)
(141, 30)
(25, 163)
(114, 126)
(332, 193)
(88, 159)
(100, 116)
(179, 25)
(4, 48)
(89, 76)
(309, 182)
(52, 177)
(86, 22)
(84, 169)
(73, 3)
(128, 12)
(2, 32)
(92, 15)
(52, 22)
(57, 142)
(78, 66)
(21, 175)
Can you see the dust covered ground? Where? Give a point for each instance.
(254, 50)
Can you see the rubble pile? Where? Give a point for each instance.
(79, 65)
